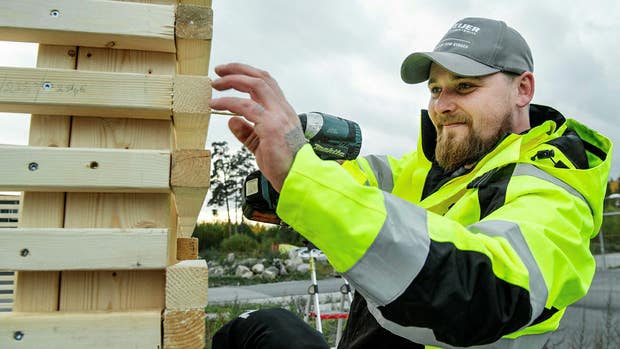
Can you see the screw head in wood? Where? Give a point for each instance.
(47, 86)
(33, 166)
(24, 252)
(55, 13)
(18, 335)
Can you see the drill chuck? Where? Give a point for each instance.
(331, 137)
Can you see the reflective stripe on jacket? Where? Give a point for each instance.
(489, 257)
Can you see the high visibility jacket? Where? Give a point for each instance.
(488, 257)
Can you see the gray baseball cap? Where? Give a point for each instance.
(472, 47)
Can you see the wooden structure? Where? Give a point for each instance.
(114, 176)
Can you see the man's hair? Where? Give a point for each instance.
(510, 75)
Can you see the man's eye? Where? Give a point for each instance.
(464, 86)
(435, 90)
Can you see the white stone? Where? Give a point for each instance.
(241, 269)
(258, 268)
(216, 271)
(230, 258)
(269, 274)
(303, 268)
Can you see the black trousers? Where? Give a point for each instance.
(268, 329)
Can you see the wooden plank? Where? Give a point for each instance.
(184, 329)
(189, 179)
(186, 285)
(193, 55)
(191, 112)
(81, 330)
(95, 23)
(187, 249)
(84, 249)
(173, 224)
(11, 198)
(38, 291)
(194, 22)
(85, 170)
(121, 290)
(69, 92)
(87, 93)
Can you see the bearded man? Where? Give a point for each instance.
(480, 237)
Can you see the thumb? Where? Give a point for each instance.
(244, 132)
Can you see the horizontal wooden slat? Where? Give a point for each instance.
(73, 92)
(9, 198)
(137, 329)
(92, 23)
(83, 170)
(83, 249)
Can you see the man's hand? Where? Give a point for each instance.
(275, 135)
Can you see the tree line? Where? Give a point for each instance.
(228, 172)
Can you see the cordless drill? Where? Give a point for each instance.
(331, 138)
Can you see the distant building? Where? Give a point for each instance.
(9, 216)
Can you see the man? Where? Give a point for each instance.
(480, 236)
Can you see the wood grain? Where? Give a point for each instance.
(93, 23)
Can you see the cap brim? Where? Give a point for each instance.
(416, 67)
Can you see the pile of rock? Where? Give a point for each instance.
(248, 268)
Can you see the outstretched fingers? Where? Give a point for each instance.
(244, 69)
(258, 89)
(241, 106)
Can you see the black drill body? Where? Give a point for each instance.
(331, 137)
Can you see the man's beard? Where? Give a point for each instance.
(452, 152)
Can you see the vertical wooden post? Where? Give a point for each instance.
(38, 291)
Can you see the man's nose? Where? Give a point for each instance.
(445, 103)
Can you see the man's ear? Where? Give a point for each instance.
(525, 89)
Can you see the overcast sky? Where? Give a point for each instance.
(344, 57)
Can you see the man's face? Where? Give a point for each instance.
(470, 114)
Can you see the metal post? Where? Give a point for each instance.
(601, 240)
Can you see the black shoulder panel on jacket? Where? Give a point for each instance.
(542, 113)
(571, 145)
(457, 295)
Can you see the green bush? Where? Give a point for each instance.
(210, 235)
(239, 243)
